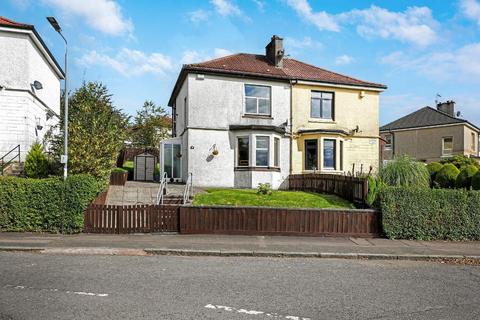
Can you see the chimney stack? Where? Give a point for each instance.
(274, 51)
(447, 107)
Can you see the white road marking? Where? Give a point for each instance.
(81, 293)
(254, 312)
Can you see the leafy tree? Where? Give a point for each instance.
(96, 131)
(405, 171)
(151, 125)
(461, 161)
(36, 163)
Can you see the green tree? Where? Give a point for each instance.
(96, 128)
(36, 163)
(150, 125)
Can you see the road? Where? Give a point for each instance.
(47, 286)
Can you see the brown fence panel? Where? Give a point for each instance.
(131, 219)
(279, 221)
(354, 189)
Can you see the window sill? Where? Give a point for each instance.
(315, 120)
(274, 169)
(257, 116)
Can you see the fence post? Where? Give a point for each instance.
(119, 218)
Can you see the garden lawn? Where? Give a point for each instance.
(281, 199)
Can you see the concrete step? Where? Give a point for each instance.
(14, 169)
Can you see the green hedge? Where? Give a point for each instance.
(50, 205)
(430, 214)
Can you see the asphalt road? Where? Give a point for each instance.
(39, 286)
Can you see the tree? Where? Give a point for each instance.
(151, 125)
(36, 163)
(96, 131)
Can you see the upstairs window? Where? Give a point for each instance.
(447, 146)
(388, 141)
(322, 105)
(257, 100)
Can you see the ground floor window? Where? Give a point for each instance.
(329, 154)
(262, 150)
(243, 151)
(276, 152)
(311, 154)
(447, 146)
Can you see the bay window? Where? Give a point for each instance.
(243, 153)
(262, 151)
(329, 154)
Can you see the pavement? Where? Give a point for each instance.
(229, 245)
(38, 286)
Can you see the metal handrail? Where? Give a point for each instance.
(163, 186)
(4, 164)
(188, 189)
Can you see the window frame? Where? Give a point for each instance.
(245, 96)
(238, 151)
(334, 153)
(262, 149)
(444, 153)
(306, 168)
(332, 111)
(276, 152)
(389, 146)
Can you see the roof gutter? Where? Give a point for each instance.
(346, 86)
(465, 123)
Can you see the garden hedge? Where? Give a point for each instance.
(430, 214)
(49, 205)
(447, 176)
(464, 178)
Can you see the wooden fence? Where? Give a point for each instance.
(131, 219)
(353, 189)
(118, 178)
(279, 221)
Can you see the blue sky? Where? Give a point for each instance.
(417, 48)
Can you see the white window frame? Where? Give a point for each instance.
(335, 150)
(473, 143)
(257, 100)
(389, 146)
(445, 152)
(276, 152)
(262, 149)
(237, 154)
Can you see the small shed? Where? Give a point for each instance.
(144, 167)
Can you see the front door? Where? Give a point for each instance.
(172, 161)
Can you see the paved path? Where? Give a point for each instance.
(36, 286)
(241, 243)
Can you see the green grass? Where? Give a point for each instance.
(285, 199)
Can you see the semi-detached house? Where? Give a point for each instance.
(246, 119)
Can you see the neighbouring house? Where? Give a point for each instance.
(29, 87)
(430, 135)
(246, 119)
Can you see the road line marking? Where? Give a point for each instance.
(254, 312)
(81, 293)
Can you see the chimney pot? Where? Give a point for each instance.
(447, 107)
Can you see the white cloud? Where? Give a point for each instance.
(260, 4)
(415, 25)
(198, 16)
(193, 56)
(226, 8)
(344, 60)
(471, 9)
(129, 62)
(102, 15)
(462, 63)
(320, 19)
(306, 42)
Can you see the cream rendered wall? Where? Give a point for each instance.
(351, 110)
(469, 147)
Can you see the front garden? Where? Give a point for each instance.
(280, 199)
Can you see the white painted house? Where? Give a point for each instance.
(26, 113)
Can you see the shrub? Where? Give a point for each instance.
(120, 170)
(50, 205)
(156, 171)
(128, 165)
(461, 161)
(433, 168)
(464, 178)
(430, 214)
(447, 176)
(36, 163)
(405, 171)
(476, 181)
(373, 186)
(264, 188)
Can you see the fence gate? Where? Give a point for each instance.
(99, 218)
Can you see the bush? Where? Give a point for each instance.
(373, 186)
(476, 181)
(264, 188)
(36, 163)
(405, 171)
(128, 165)
(464, 178)
(461, 161)
(50, 205)
(430, 214)
(120, 170)
(447, 176)
(433, 168)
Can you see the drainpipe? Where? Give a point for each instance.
(292, 82)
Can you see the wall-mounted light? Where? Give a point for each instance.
(37, 85)
(214, 150)
(38, 124)
(362, 94)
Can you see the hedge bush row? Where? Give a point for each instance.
(49, 205)
(430, 214)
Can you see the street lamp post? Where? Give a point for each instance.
(64, 159)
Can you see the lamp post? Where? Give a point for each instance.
(64, 159)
